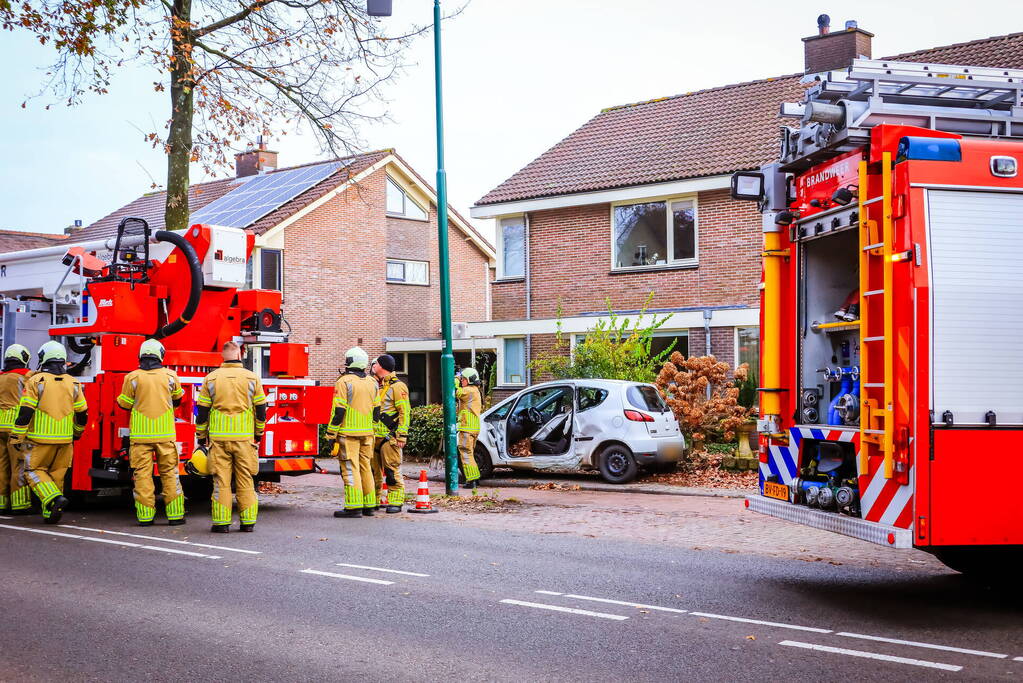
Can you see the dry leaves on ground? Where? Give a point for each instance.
(554, 486)
(704, 470)
(271, 487)
(487, 502)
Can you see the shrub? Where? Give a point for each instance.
(683, 383)
(426, 432)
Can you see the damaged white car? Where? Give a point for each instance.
(613, 426)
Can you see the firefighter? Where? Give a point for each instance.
(14, 491)
(52, 414)
(470, 405)
(152, 393)
(391, 432)
(230, 422)
(356, 409)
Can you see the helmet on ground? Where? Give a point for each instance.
(356, 358)
(17, 352)
(52, 350)
(151, 347)
(199, 464)
(470, 375)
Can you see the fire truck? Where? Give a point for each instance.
(892, 330)
(103, 298)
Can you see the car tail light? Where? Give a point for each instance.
(637, 416)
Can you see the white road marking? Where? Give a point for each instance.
(1017, 659)
(913, 643)
(762, 623)
(380, 569)
(617, 602)
(568, 610)
(872, 655)
(549, 593)
(162, 540)
(110, 541)
(5, 517)
(346, 576)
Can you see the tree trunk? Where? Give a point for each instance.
(179, 139)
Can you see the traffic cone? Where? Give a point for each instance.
(423, 495)
(383, 494)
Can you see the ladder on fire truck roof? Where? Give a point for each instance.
(838, 112)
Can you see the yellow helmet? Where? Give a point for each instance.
(199, 464)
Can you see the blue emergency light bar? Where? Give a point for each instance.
(929, 149)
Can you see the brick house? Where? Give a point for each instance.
(17, 240)
(636, 201)
(355, 256)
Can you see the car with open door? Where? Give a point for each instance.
(613, 426)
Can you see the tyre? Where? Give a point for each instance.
(483, 462)
(617, 466)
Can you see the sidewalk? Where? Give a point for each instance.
(583, 480)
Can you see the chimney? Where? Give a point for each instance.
(74, 227)
(827, 51)
(255, 160)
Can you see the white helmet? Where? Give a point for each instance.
(151, 347)
(52, 350)
(470, 375)
(356, 358)
(17, 352)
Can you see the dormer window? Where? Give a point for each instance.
(401, 205)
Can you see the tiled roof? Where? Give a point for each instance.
(151, 206)
(703, 133)
(16, 240)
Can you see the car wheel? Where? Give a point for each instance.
(483, 462)
(617, 466)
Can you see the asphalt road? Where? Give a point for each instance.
(286, 603)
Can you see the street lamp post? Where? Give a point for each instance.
(382, 8)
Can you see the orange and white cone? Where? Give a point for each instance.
(423, 495)
(383, 495)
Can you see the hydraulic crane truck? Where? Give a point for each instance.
(103, 298)
(891, 320)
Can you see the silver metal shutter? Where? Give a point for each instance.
(976, 240)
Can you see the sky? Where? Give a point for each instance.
(518, 76)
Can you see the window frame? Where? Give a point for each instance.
(669, 233)
(735, 356)
(280, 268)
(406, 198)
(502, 364)
(405, 261)
(500, 275)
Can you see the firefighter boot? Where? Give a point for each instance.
(56, 511)
(348, 513)
(247, 527)
(220, 528)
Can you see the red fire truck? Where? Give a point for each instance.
(892, 397)
(102, 299)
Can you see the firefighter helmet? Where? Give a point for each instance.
(356, 358)
(199, 464)
(151, 347)
(17, 352)
(470, 375)
(52, 350)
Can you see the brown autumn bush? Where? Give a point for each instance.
(683, 383)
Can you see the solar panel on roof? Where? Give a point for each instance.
(261, 194)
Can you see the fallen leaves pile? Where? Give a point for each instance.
(703, 470)
(271, 487)
(554, 486)
(487, 502)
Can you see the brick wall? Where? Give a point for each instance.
(336, 295)
(835, 50)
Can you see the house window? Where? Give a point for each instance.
(677, 340)
(270, 269)
(408, 272)
(400, 204)
(512, 239)
(654, 234)
(747, 348)
(513, 369)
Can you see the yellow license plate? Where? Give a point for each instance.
(773, 490)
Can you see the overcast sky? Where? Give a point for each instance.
(519, 76)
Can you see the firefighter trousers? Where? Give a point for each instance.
(235, 460)
(165, 454)
(6, 471)
(20, 493)
(45, 466)
(356, 459)
(466, 448)
(387, 467)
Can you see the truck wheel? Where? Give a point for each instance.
(617, 466)
(483, 462)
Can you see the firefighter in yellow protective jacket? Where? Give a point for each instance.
(51, 415)
(14, 491)
(231, 417)
(152, 393)
(356, 409)
(470, 405)
(391, 432)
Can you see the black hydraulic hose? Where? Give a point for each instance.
(195, 290)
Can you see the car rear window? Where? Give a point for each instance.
(645, 398)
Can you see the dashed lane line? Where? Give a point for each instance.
(931, 646)
(872, 655)
(347, 577)
(1017, 659)
(616, 602)
(743, 620)
(567, 610)
(380, 569)
(110, 541)
(161, 540)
